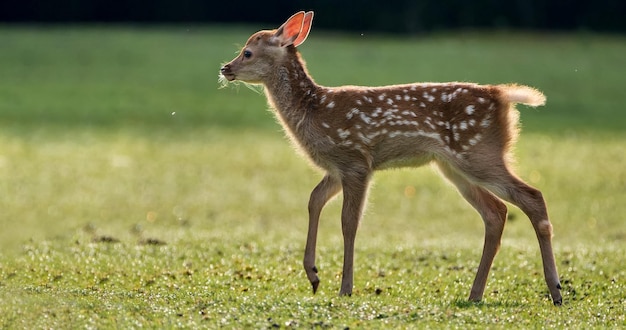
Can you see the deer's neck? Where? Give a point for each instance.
(292, 93)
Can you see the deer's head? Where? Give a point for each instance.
(265, 49)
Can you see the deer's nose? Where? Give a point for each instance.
(225, 69)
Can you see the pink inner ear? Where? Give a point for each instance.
(306, 28)
(292, 28)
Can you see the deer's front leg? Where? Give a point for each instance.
(324, 191)
(354, 196)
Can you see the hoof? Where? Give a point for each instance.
(314, 285)
(345, 293)
(559, 300)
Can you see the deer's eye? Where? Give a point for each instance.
(247, 54)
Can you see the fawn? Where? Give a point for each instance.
(349, 132)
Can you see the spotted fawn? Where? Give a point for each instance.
(349, 132)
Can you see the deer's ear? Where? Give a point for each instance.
(306, 28)
(295, 30)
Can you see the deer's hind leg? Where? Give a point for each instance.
(493, 212)
(493, 174)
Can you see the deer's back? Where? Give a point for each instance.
(401, 125)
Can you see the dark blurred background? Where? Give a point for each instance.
(402, 17)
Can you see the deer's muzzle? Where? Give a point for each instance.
(227, 72)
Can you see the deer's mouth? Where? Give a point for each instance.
(229, 77)
(226, 72)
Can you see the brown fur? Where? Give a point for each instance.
(350, 132)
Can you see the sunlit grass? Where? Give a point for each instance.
(115, 180)
(207, 229)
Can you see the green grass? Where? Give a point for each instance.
(135, 193)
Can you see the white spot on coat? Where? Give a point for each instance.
(474, 141)
(343, 133)
(352, 112)
(364, 138)
(376, 112)
(365, 118)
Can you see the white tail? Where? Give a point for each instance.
(350, 132)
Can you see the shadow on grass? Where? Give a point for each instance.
(466, 304)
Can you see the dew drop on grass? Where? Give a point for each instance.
(152, 216)
(409, 191)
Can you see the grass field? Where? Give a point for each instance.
(135, 193)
